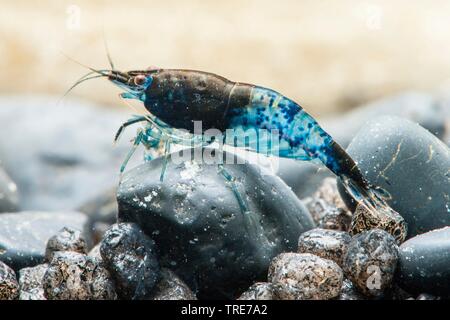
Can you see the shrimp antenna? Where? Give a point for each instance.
(107, 51)
(81, 80)
(102, 72)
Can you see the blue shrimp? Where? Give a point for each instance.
(177, 98)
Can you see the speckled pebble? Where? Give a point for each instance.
(349, 292)
(74, 276)
(130, 256)
(303, 276)
(67, 239)
(328, 191)
(9, 287)
(31, 282)
(328, 244)
(384, 218)
(370, 261)
(171, 287)
(336, 219)
(258, 291)
(327, 208)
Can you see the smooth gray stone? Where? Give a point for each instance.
(197, 223)
(424, 264)
(54, 150)
(24, 235)
(411, 164)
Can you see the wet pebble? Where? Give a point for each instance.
(328, 192)
(370, 261)
(411, 164)
(67, 239)
(171, 287)
(424, 263)
(130, 256)
(258, 291)
(75, 276)
(24, 235)
(201, 230)
(303, 276)
(336, 219)
(31, 282)
(381, 217)
(327, 208)
(9, 287)
(328, 244)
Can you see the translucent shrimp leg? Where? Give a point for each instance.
(166, 160)
(136, 143)
(129, 122)
(232, 180)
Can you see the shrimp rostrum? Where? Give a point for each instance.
(176, 98)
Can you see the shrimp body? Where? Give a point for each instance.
(177, 98)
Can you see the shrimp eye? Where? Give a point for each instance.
(139, 80)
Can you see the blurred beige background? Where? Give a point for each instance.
(327, 55)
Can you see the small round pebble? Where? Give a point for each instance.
(9, 287)
(31, 282)
(258, 291)
(74, 276)
(336, 219)
(171, 287)
(328, 244)
(130, 256)
(327, 208)
(370, 261)
(67, 239)
(384, 218)
(303, 276)
(329, 192)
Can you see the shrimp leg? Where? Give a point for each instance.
(136, 143)
(128, 123)
(166, 159)
(232, 180)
